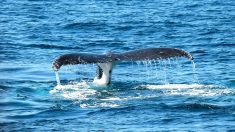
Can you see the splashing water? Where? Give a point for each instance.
(86, 95)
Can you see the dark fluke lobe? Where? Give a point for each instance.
(142, 54)
(153, 54)
(79, 58)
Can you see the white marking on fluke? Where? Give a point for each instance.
(106, 74)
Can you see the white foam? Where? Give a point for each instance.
(112, 99)
(86, 96)
(75, 91)
(124, 98)
(177, 86)
(190, 89)
(82, 93)
(103, 104)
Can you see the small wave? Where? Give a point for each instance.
(85, 25)
(116, 110)
(125, 28)
(3, 88)
(57, 109)
(209, 31)
(47, 46)
(13, 69)
(14, 103)
(197, 106)
(224, 44)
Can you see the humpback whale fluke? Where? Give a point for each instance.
(105, 62)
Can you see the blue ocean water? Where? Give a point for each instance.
(167, 95)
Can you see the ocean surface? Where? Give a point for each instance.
(160, 95)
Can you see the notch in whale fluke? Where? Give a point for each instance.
(142, 54)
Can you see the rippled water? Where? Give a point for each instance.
(163, 95)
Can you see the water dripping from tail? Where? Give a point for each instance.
(164, 65)
(195, 78)
(57, 78)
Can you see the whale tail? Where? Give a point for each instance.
(105, 62)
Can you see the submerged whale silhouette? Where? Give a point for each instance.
(105, 62)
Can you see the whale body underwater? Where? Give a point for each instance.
(105, 62)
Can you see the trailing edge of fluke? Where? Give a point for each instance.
(105, 61)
